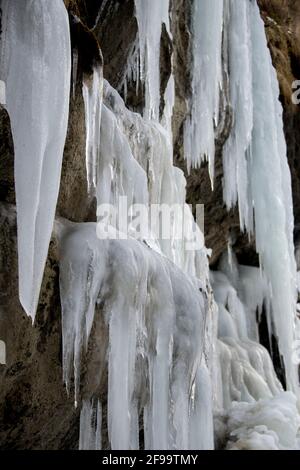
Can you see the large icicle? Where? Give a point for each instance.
(238, 145)
(199, 130)
(36, 66)
(150, 17)
(92, 89)
(270, 181)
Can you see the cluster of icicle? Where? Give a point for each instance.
(251, 409)
(150, 294)
(142, 310)
(256, 173)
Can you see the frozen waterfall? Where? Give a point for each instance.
(263, 191)
(160, 351)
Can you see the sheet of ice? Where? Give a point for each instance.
(156, 316)
(199, 129)
(36, 66)
(150, 17)
(92, 90)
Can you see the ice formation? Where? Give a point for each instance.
(236, 152)
(185, 353)
(2, 92)
(178, 343)
(137, 162)
(246, 372)
(35, 66)
(265, 425)
(206, 63)
(154, 311)
(272, 196)
(260, 189)
(155, 316)
(150, 17)
(251, 409)
(92, 89)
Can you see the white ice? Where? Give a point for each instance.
(238, 146)
(150, 18)
(92, 90)
(36, 66)
(2, 92)
(265, 425)
(271, 190)
(156, 316)
(206, 65)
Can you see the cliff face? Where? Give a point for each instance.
(35, 412)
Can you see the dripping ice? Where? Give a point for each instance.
(150, 18)
(206, 63)
(31, 60)
(262, 191)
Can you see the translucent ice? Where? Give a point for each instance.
(36, 65)
(92, 94)
(237, 147)
(199, 131)
(2, 92)
(150, 17)
(270, 181)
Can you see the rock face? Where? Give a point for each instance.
(35, 411)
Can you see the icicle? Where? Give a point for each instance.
(74, 70)
(2, 92)
(201, 427)
(271, 192)
(237, 148)
(90, 425)
(150, 17)
(199, 130)
(92, 89)
(36, 66)
(131, 74)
